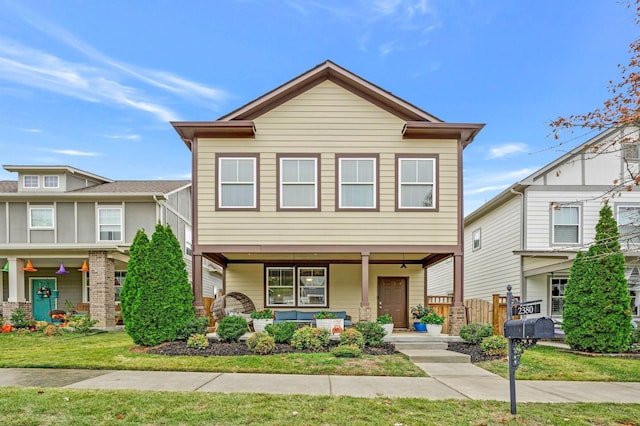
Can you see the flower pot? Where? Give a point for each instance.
(334, 325)
(388, 328)
(420, 327)
(260, 324)
(434, 329)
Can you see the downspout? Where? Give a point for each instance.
(523, 293)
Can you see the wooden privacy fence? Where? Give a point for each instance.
(478, 310)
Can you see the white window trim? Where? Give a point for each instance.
(473, 239)
(553, 225)
(293, 287)
(282, 183)
(53, 217)
(254, 205)
(625, 243)
(188, 240)
(299, 287)
(296, 303)
(44, 181)
(401, 183)
(24, 181)
(374, 184)
(106, 207)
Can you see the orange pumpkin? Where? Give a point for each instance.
(7, 328)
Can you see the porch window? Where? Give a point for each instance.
(237, 183)
(633, 278)
(41, 217)
(416, 183)
(629, 225)
(51, 182)
(31, 181)
(296, 286)
(110, 224)
(357, 183)
(566, 224)
(557, 295)
(120, 276)
(298, 179)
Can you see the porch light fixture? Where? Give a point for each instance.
(61, 270)
(6, 267)
(404, 265)
(29, 267)
(85, 267)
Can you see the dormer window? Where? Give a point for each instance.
(31, 181)
(51, 182)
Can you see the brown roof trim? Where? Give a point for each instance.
(464, 132)
(344, 78)
(188, 130)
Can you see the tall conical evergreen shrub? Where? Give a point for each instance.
(164, 300)
(133, 281)
(597, 315)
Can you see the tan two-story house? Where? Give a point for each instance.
(329, 192)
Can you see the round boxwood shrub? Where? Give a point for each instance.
(198, 341)
(314, 339)
(232, 328)
(193, 326)
(352, 337)
(495, 345)
(261, 343)
(475, 332)
(347, 351)
(281, 331)
(372, 332)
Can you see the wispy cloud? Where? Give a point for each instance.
(484, 189)
(132, 137)
(75, 153)
(506, 149)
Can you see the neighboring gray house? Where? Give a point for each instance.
(529, 234)
(59, 218)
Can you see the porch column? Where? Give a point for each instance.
(457, 312)
(102, 294)
(16, 297)
(365, 309)
(196, 278)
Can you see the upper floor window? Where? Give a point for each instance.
(188, 241)
(41, 217)
(566, 224)
(475, 239)
(110, 224)
(631, 151)
(51, 181)
(629, 225)
(237, 183)
(357, 182)
(298, 177)
(31, 181)
(416, 183)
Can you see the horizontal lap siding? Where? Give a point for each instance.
(328, 120)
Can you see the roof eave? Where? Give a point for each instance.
(189, 130)
(465, 132)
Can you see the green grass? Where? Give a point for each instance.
(33, 406)
(550, 363)
(116, 351)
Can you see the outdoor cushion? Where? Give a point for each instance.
(286, 315)
(340, 314)
(306, 316)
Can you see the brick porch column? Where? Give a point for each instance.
(102, 294)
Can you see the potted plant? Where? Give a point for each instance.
(329, 321)
(386, 321)
(417, 313)
(261, 319)
(433, 322)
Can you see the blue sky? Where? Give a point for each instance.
(94, 84)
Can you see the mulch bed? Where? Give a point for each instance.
(471, 349)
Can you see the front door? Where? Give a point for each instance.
(42, 303)
(392, 300)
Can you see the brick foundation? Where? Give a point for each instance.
(457, 319)
(9, 307)
(365, 313)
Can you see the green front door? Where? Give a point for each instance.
(43, 304)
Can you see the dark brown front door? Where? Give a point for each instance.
(392, 300)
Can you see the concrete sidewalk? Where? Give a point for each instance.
(446, 381)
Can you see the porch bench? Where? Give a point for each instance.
(308, 317)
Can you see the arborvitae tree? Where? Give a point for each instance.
(165, 300)
(133, 282)
(597, 315)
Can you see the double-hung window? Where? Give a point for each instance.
(357, 182)
(557, 295)
(301, 286)
(188, 240)
(41, 217)
(110, 223)
(31, 181)
(51, 181)
(298, 180)
(237, 182)
(566, 224)
(416, 182)
(475, 240)
(629, 225)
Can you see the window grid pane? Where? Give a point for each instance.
(629, 225)
(51, 181)
(298, 189)
(357, 183)
(417, 177)
(31, 182)
(110, 223)
(237, 182)
(312, 286)
(566, 225)
(42, 218)
(280, 287)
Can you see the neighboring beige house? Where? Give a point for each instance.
(329, 192)
(528, 235)
(55, 216)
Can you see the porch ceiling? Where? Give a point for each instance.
(323, 257)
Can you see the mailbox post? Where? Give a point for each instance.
(523, 334)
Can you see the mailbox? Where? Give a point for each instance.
(531, 328)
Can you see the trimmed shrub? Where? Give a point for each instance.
(475, 332)
(198, 341)
(597, 307)
(314, 339)
(281, 331)
(261, 343)
(373, 333)
(495, 345)
(193, 326)
(347, 351)
(19, 319)
(232, 328)
(352, 337)
(129, 294)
